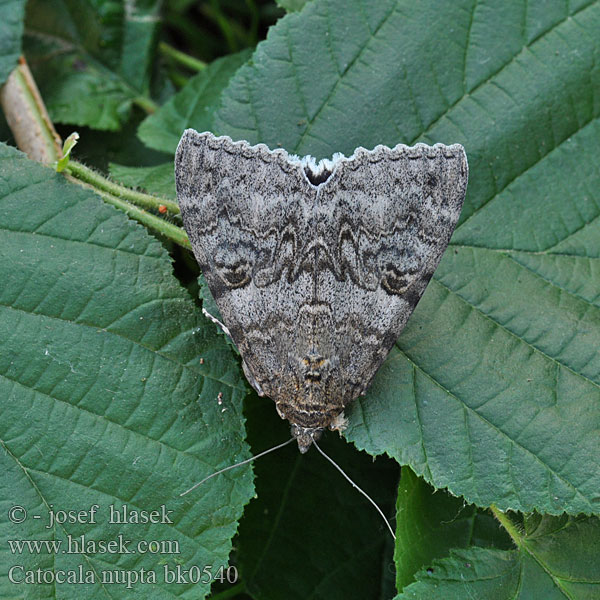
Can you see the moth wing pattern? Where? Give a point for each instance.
(246, 210)
(316, 269)
(387, 215)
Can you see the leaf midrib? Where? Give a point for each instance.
(500, 69)
(522, 251)
(112, 249)
(351, 63)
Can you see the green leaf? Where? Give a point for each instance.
(159, 179)
(114, 390)
(559, 549)
(210, 306)
(493, 389)
(68, 145)
(98, 149)
(208, 302)
(291, 5)
(137, 28)
(309, 524)
(470, 573)
(554, 562)
(12, 14)
(430, 523)
(92, 60)
(193, 106)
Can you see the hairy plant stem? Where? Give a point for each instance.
(130, 201)
(508, 524)
(35, 135)
(87, 175)
(170, 231)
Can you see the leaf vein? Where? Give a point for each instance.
(513, 334)
(499, 70)
(132, 341)
(340, 78)
(500, 431)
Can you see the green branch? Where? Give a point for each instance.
(35, 134)
(87, 175)
(170, 231)
(185, 59)
(134, 204)
(146, 104)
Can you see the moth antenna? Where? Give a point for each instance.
(356, 486)
(244, 462)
